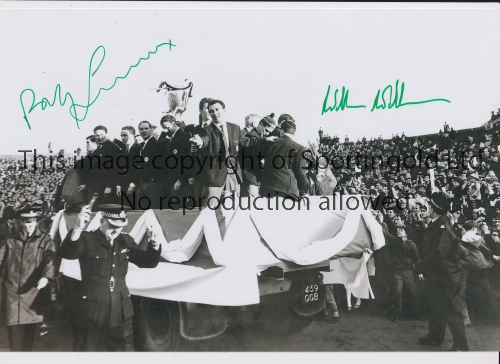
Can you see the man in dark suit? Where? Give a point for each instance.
(104, 179)
(173, 152)
(102, 307)
(219, 144)
(107, 178)
(130, 149)
(127, 135)
(251, 159)
(445, 276)
(284, 172)
(164, 136)
(85, 168)
(145, 178)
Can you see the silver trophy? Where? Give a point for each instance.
(177, 97)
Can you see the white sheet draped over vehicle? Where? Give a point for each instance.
(226, 274)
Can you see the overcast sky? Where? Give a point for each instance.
(256, 61)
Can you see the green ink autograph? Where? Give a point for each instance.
(378, 103)
(101, 53)
(342, 103)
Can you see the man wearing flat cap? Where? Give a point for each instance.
(102, 307)
(445, 276)
(26, 264)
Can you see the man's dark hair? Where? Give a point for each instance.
(213, 102)
(190, 129)
(203, 101)
(130, 129)
(91, 138)
(101, 127)
(469, 225)
(145, 122)
(288, 127)
(284, 117)
(167, 119)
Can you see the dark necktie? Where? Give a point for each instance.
(142, 147)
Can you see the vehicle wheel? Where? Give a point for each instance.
(157, 325)
(276, 315)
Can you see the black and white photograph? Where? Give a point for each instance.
(250, 179)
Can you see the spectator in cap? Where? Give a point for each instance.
(102, 308)
(441, 267)
(27, 265)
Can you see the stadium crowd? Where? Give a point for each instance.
(414, 182)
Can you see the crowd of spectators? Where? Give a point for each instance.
(464, 168)
(405, 172)
(20, 186)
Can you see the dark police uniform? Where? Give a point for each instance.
(445, 278)
(102, 307)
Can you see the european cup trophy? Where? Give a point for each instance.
(177, 97)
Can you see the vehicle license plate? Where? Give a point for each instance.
(312, 293)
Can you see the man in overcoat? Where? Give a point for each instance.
(445, 276)
(27, 264)
(102, 308)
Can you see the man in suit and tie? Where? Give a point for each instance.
(127, 135)
(204, 120)
(146, 181)
(101, 178)
(173, 152)
(284, 172)
(130, 149)
(250, 159)
(220, 143)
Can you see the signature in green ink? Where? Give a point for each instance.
(379, 102)
(342, 104)
(101, 54)
(397, 101)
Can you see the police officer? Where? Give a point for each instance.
(445, 276)
(102, 307)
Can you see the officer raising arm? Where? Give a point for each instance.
(102, 307)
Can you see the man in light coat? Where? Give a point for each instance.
(27, 264)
